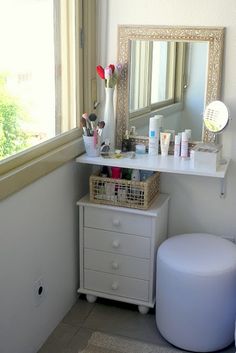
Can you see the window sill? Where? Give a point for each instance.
(56, 153)
(142, 121)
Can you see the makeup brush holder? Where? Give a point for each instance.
(92, 145)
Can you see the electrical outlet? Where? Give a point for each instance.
(39, 290)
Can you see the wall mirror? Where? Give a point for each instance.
(169, 71)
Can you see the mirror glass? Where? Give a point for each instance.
(167, 77)
(151, 74)
(169, 71)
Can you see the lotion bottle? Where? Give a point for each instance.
(154, 130)
(177, 146)
(184, 145)
(165, 143)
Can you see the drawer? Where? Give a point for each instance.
(117, 221)
(117, 243)
(116, 285)
(116, 264)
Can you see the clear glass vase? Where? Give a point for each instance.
(109, 117)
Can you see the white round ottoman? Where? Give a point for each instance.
(196, 291)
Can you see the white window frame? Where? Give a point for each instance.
(20, 170)
(177, 54)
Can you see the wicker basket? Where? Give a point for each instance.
(125, 193)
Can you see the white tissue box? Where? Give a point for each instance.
(206, 156)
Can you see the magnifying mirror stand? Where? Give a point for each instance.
(216, 119)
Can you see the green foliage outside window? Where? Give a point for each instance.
(12, 138)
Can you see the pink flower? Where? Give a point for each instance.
(108, 72)
(111, 74)
(112, 67)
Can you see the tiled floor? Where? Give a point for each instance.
(106, 316)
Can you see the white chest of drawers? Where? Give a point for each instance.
(118, 251)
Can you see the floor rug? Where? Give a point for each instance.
(103, 343)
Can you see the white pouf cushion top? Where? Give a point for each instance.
(201, 254)
(196, 291)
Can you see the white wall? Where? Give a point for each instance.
(195, 202)
(38, 239)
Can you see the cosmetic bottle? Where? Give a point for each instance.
(135, 175)
(116, 172)
(126, 142)
(189, 134)
(165, 143)
(154, 130)
(126, 173)
(180, 136)
(132, 131)
(177, 146)
(104, 172)
(145, 174)
(184, 145)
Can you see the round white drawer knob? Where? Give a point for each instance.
(115, 265)
(114, 286)
(115, 244)
(116, 222)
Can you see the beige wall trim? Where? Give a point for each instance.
(79, 54)
(22, 176)
(15, 161)
(89, 29)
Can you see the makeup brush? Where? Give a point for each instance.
(88, 125)
(92, 118)
(83, 124)
(95, 105)
(101, 125)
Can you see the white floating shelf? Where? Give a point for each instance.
(168, 164)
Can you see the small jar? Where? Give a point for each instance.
(140, 149)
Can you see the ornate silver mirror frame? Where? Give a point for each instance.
(213, 35)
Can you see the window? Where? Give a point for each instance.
(45, 85)
(37, 72)
(156, 73)
(163, 72)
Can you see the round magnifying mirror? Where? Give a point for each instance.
(216, 116)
